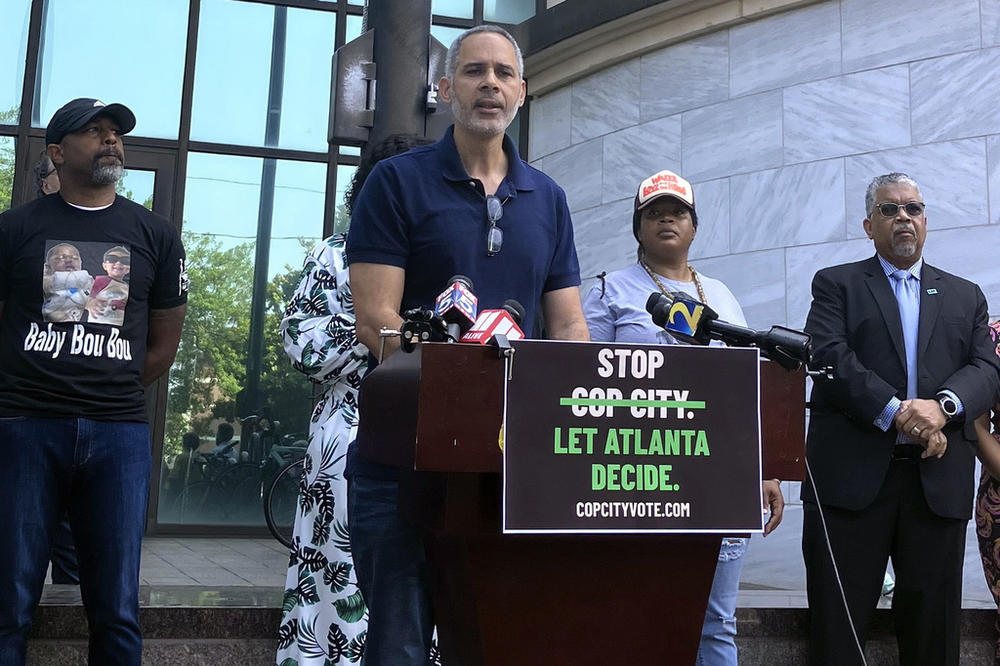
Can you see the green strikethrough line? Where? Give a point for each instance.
(667, 404)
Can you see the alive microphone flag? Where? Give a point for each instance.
(457, 304)
(490, 323)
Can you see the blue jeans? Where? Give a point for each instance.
(391, 568)
(99, 470)
(718, 633)
(65, 570)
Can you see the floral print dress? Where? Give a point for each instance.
(988, 516)
(324, 620)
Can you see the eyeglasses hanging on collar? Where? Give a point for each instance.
(494, 235)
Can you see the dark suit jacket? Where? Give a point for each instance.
(855, 325)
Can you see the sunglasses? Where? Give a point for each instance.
(912, 208)
(118, 259)
(494, 236)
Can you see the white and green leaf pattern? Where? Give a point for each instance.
(321, 599)
(350, 609)
(321, 342)
(337, 575)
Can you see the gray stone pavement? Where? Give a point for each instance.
(221, 571)
(212, 562)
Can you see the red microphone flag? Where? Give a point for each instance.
(490, 323)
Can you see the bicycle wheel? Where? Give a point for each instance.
(189, 505)
(280, 500)
(235, 494)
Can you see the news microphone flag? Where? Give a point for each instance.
(683, 317)
(490, 323)
(457, 304)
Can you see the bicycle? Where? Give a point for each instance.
(231, 490)
(237, 493)
(193, 496)
(281, 499)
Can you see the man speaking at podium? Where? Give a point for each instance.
(465, 205)
(891, 441)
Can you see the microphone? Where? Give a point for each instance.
(421, 325)
(515, 309)
(684, 318)
(695, 323)
(457, 306)
(504, 321)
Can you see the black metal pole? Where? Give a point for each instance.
(265, 214)
(400, 52)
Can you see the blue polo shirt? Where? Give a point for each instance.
(422, 212)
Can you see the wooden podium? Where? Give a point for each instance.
(539, 599)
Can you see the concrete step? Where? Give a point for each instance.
(183, 625)
(773, 636)
(192, 626)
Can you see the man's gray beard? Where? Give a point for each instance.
(904, 248)
(456, 114)
(107, 174)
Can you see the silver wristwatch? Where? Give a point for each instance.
(948, 405)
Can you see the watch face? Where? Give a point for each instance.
(948, 406)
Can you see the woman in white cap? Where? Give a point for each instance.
(665, 223)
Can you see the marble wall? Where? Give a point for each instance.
(780, 124)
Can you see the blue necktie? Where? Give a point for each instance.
(906, 288)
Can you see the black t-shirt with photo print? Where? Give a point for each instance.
(77, 287)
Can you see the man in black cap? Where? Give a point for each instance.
(73, 431)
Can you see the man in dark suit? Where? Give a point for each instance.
(891, 444)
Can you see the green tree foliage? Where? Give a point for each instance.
(8, 117)
(210, 368)
(342, 220)
(6, 172)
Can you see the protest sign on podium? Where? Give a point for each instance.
(608, 598)
(632, 438)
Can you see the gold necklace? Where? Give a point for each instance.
(694, 277)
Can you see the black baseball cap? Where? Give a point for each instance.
(76, 113)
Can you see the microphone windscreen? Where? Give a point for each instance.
(466, 282)
(515, 309)
(653, 300)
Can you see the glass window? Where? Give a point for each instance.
(14, 15)
(207, 381)
(298, 214)
(137, 185)
(232, 75)
(452, 8)
(140, 63)
(345, 173)
(514, 129)
(6, 171)
(446, 35)
(353, 29)
(508, 11)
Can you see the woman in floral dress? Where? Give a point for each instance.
(988, 497)
(324, 619)
(322, 613)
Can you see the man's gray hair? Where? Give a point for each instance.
(451, 60)
(881, 181)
